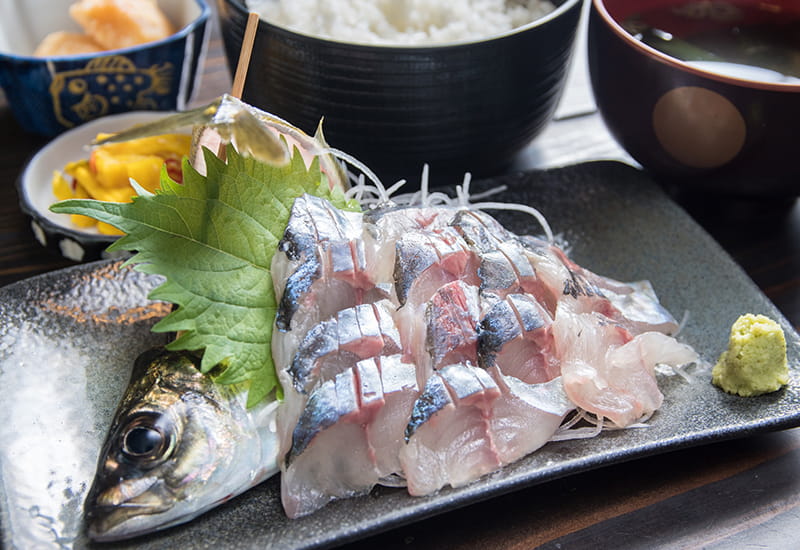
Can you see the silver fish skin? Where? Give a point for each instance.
(336, 344)
(178, 445)
(496, 273)
(433, 399)
(451, 318)
(424, 261)
(480, 230)
(320, 243)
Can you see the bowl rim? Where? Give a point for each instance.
(202, 17)
(611, 23)
(565, 6)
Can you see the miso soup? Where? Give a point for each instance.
(755, 40)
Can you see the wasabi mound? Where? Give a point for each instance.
(755, 362)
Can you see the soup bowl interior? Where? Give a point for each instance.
(705, 94)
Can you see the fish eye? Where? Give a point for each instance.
(141, 441)
(146, 438)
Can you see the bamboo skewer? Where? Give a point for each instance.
(244, 55)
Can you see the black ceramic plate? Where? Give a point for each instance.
(69, 338)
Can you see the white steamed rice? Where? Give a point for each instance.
(401, 22)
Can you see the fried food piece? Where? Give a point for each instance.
(121, 23)
(66, 43)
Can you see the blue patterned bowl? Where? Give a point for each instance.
(52, 94)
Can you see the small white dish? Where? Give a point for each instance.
(56, 231)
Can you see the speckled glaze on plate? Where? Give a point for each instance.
(68, 340)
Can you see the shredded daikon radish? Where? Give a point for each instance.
(377, 194)
(521, 208)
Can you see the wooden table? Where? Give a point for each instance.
(742, 493)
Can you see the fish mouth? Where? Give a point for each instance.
(113, 523)
(110, 518)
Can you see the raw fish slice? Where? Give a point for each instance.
(635, 304)
(496, 274)
(609, 372)
(330, 455)
(526, 416)
(337, 344)
(329, 348)
(515, 336)
(556, 279)
(328, 297)
(385, 433)
(562, 278)
(452, 317)
(314, 220)
(393, 222)
(655, 348)
(469, 422)
(505, 266)
(527, 278)
(323, 263)
(424, 261)
(582, 343)
(337, 274)
(507, 270)
(448, 436)
(479, 230)
(442, 331)
(348, 437)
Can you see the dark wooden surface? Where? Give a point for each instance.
(737, 494)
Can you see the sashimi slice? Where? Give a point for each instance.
(348, 437)
(452, 317)
(329, 456)
(526, 416)
(329, 348)
(385, 433)
(448, 436)
(394, 221)
(323, 263)
(515, 336)
(480, 230)
(469, 422)
(424, 261)
(334, 345)
(609, 372)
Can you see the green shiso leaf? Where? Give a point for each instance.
(213, 238)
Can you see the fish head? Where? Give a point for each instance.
(176, 448)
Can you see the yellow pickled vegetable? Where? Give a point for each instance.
(106, 174)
